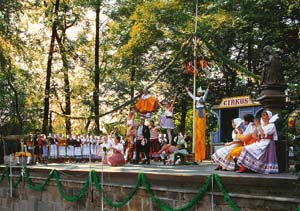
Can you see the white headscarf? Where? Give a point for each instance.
(272, 118)
(237, 122)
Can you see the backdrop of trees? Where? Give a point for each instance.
(75, 66)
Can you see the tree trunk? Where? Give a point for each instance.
(65, 69)
(48, 73)
(97, 69)
(16, 99)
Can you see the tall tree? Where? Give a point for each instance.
(97, 67)
(49, 66)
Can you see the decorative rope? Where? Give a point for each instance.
(141, 180)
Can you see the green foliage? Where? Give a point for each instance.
(138, 42)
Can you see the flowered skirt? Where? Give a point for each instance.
(266, 163)
(220, 157)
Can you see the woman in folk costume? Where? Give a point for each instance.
(130, 123)
(77, 148)
(147, 103)
(45, 147)
(70, 148)
(93, 146)
(117, 158)
(86, 147)
(104, 150)
(261, 155)
(220, 156)
(131, 126)
(61, 147)
(167, 122)
(22, 152)
(53, 146)
(248, 137)
(200, 123)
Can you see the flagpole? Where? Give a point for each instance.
(195, 65)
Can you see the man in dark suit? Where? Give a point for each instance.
(142, 142)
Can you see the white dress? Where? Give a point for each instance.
(219, 156)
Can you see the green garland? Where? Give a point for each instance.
(127, 199)
(225, 194)
(141, 181)
(70, 198)
(190, 204)
(37, 187)
(5, 174)
(16, 184)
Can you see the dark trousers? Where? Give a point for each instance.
(144, 149)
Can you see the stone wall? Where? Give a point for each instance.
(248, 193)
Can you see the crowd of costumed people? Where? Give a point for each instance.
(252, 146)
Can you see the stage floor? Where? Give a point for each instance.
(205, 168)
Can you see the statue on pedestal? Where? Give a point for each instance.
(272, 73)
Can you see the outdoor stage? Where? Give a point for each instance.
(174, 187)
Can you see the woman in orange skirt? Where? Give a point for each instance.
(147, 103)
(248, 137)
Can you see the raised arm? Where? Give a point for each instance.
(206, 92)
(190, 94)
(174, 100)
(160, 105)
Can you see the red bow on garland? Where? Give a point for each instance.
(189, 66)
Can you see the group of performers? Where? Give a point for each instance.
(143, 142)
(252, 148)
(145, 139)
(252, 145)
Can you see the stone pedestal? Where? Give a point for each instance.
(272, 97)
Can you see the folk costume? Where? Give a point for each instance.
(200, 125)
(93, 147)
(246, 138)
(70, 147)
(154, 144)
(22, 153)
(86, 147)
(146, 104)
(53, 146)
(261, 155)
(45, 147)
(142, 142)
(167, 120)
(168, 154)
(117, 157)
(220, 156)
(61, 145)
(77, 148)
